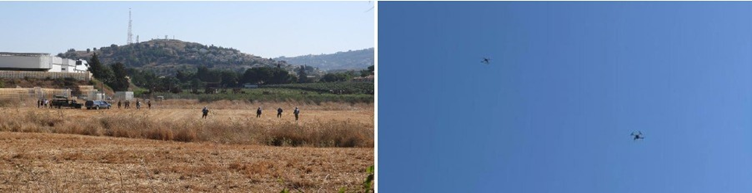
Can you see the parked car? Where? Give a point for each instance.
(97, 105)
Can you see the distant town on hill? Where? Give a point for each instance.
(349, 60)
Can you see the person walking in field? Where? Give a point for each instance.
(138, 104)
(258, 112)
(127, 104)
(296, 112)
(148, 103)
(39, 103)
(206, 112)
(279, 112)
(118, 104)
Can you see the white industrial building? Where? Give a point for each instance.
(40, 62)
(124, 95)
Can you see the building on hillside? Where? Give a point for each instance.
(41, 62)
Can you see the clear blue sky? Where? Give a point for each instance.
(568, 83)
(267, 29)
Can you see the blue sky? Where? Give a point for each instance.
(568, 83)
(267, 29)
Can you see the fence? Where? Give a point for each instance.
(86, 76)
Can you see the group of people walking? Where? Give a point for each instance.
(43, 103)
(296, 112)
(127, 104)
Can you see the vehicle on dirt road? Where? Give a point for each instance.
(60, 101)
(97, 105)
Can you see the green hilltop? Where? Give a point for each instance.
(166, 56)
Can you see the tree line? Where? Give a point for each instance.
(116, 77)
(113, 75)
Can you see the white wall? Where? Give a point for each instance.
(58, 64)
(24, 62)
(42, 62)
(124, 95)
(56, 68)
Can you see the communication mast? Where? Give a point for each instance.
(130, 35)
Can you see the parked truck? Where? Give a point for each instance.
(60, 101)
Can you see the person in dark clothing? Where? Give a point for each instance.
(279, 112)
(118, 104)
(258, 112)
(148, 103)
(138, 104)
(206, 112)
(296, 112)
(39, 103)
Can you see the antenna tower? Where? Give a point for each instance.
(130, 35)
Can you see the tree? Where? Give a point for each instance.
(203, 73)
(366, 72)
(195, 84)
(182, 76)
(329, 78)
(108, 77)
(266, 75)
(302, 75)
(336, 77)
(262, 75)
(88, 50)
(120, 82)
(250, 76)
(229, 78)
(167, 84)
(280, 77)
(96, 67)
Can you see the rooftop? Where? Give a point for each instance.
(22, 54)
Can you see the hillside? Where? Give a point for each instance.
(350, 60)
(166, 56)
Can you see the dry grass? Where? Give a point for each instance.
(129, 150)
(230, 122)
(41, 162)
(244, 104)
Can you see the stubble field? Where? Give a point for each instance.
(169, 148)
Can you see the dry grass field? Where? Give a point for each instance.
(170, 149)
(229, 122)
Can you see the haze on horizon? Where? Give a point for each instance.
(266, 29)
